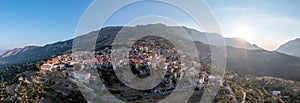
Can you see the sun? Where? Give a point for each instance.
(243, 31)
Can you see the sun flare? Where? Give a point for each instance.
(243, 31)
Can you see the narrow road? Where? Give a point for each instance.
(149, 95)
(263, 87)
(145, 96)
(244, 96)
(231, 92)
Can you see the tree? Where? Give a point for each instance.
(38, 66)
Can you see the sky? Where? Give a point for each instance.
(38, 22)
(266, 23)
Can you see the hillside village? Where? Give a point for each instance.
(140, 61)
(57, 79)
(61, 74)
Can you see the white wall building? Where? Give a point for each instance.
(80, 75)
(47, 67)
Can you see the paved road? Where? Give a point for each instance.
(231, 92)
(244, 96)
(148, 95)
(263, 87)
(144, 96)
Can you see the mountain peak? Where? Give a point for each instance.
(291, 48)
(15, 51)
(241, 43)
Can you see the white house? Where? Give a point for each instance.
(47, 67)
(277, 93)
(62, 66)
(80, 75)
(211, 77)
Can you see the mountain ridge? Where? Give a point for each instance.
(3, 51)
(253, 61)
(16, 51)
(233, 42)
(290, 48)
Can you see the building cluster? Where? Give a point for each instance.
(143, 58)
(147, 56)
(70, 66)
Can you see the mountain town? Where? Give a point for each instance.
(60, 78)
(149, 51)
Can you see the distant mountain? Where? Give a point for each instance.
(240, 43)
(17, 50)
(291, 48)
(218, 39)
(263, 63)
(256, 62)
(34, 53)
(3, 51)
(251, 60)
